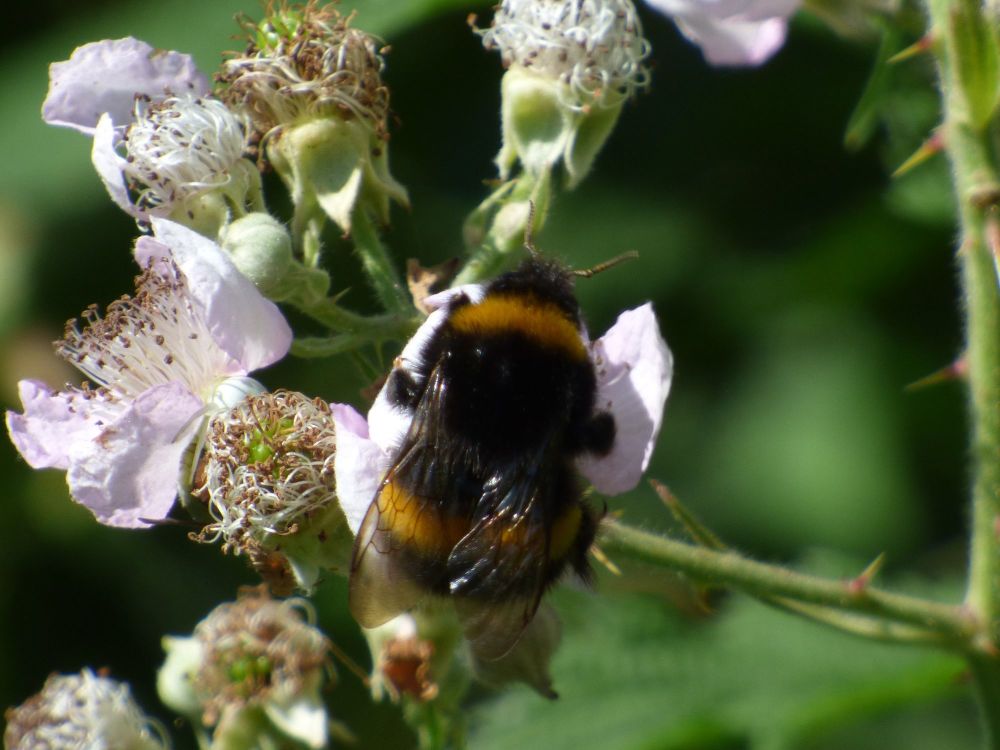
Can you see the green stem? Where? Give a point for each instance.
(375, 330)
(865, 626)
(983, 362)
(968, 59)
(987, 681)
(951, 624)
(497, 244)
(378, 265)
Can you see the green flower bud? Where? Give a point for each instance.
(261, 248)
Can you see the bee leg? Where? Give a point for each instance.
(599, 434)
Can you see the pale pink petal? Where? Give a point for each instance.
(735, 41)
(52, 426)
(760, 10)
(149, 250)
(358, 465)
(109, 165)
(732, 32)
(132, 469)
(718, 9)
(245, 325)
(350, 419)
(105, 77)
(634, 370)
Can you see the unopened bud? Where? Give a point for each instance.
(261, 248)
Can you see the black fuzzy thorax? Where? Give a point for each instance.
(513, 411)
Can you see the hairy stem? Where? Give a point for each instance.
(903, 616)
(968, 60)
(378, 265)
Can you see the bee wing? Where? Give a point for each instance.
(499, 570)
(382, 583)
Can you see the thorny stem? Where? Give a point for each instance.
(864, 625)
(967, 49)
(866, 610)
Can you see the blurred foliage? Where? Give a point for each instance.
(638, 676)
(800, 289)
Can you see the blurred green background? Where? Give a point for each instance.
(800, 290)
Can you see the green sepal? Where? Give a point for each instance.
(973, 43)
(592, 130)
(321, 543)
(544, 124)
(535, 123)
(336, 166)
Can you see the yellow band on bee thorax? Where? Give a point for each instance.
(536, 319)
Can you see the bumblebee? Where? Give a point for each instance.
(482, 504)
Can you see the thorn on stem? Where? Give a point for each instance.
(858, 585)
(957, 370)
(696, 530)
(604, 560)
(923, 45)
(929, 148)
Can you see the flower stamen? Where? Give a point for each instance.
(180, 147)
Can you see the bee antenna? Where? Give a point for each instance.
(529, 240)
(586, 273)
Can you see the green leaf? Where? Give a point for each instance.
(973, 42)
(632, 674)
(868, 112)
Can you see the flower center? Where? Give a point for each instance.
(595, 47)
(156, 337)
(266, 465)
(179, 147)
